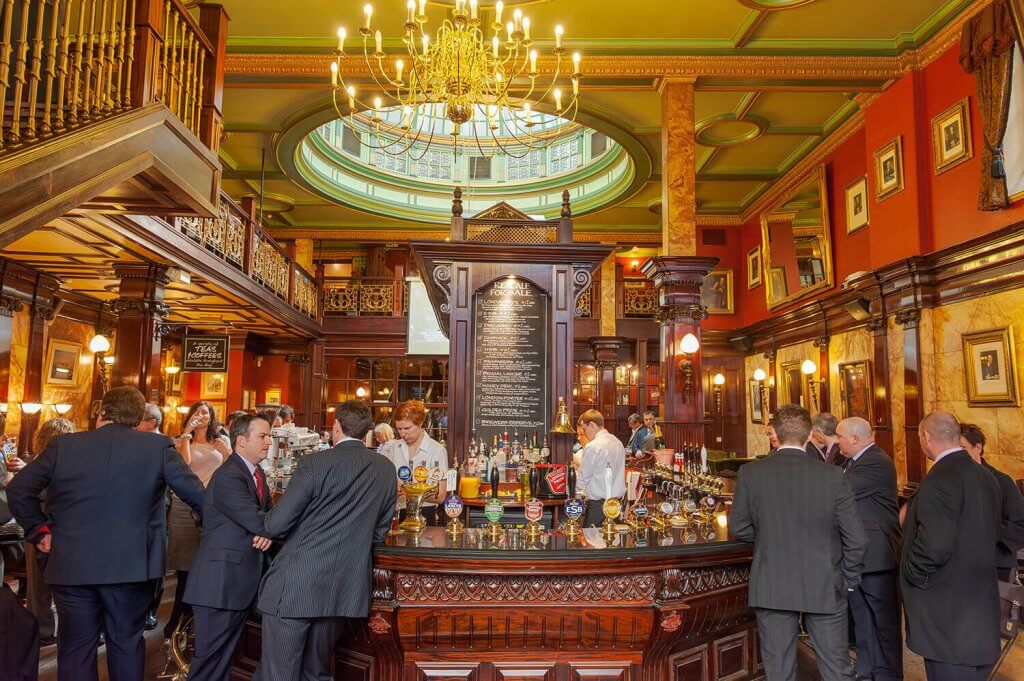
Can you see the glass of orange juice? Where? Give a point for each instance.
(469, 487)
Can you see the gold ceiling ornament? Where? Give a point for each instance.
(456, 77)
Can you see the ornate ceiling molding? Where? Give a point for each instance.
(371, 236)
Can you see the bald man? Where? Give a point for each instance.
(874, 604)
(948, 566)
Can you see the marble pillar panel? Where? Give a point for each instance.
(304, 254)
(607, 301)
(849, 346)
(79, 395)
(757, 435)
(20, 329)
(1003, 426)
(678, 186)
(794, 353)
(896, 399)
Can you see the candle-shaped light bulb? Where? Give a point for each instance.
(399, 65)
(472, 9)
(498, 8)
(558, 99)
(406, 115)
(575, 62)
(351, 97)
(334, 73)
(341, 39)
(510, 29)
(423, 7)
(376, 103)
(533, 61)
(411, 6)
(498, 77)
(459, 5)
(558, 35)
(368, 12)
(517, 17)
(575, 87)
(526, 28)
(380, 40)
(426, 43)
(494, 46)
(528, 110)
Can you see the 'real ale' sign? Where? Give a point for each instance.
(204, 353)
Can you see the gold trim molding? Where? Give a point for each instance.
(374, 236)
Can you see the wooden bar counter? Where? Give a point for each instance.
(673, 607)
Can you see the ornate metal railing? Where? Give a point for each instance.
(365, 297)
(639, 301)
(236, 238)
(67, 63)
(585, 306)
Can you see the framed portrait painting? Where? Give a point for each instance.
(273, 396)
(215, 386)
(62, 362)
(990, 369)
(754, 267)
(857, 211)
(951, 136)
(757, 414)
(889, 169)
(855, 390)
(716, 293)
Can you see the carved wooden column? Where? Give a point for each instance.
(213, 21)
(772, 385)
(315, 391)
(236, 369)
(42, 312)
(139, 308)
(882, 408)
(822, 387)
(606, 359)
(640, 353)
(8, 307)
(149, 41)
(913, 405)
(678, 281)
(299, 379)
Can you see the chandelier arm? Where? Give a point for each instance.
(508, 152)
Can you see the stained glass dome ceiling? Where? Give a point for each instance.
(346, 164)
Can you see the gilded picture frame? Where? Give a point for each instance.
(794, 385)
(757, 405)
(858, 210)
(63, 360)
(272, 396)
(717, 292)
(215, 386)
(889, 169)
(856, 390)
(754, 269)
(990, 368)
(951, 136)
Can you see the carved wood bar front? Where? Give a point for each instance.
(668, 608)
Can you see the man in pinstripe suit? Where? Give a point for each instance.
(338, 504)
(808, 550)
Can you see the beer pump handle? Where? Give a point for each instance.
(534, 482)
(571, 481)
(494, 482)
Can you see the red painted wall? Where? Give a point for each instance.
(730, 258)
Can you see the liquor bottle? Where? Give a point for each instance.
(506, 448)
(545, 450)
(517, 449)
(536, 443)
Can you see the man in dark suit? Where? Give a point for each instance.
(824, 444)
(635, 445)
(104, 528)
(339, 503)
(229, 564)
(1011, 515)
(948, 566)
(875, 603)
(808, 549)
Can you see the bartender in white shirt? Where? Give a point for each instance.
(603, 469)
(414, 447)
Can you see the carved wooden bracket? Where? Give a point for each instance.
(378, 625)
(672, 622)
(582, 279)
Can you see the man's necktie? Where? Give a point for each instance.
(258, 474)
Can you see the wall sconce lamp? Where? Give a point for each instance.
(172, 369)
(689, 347)
(763, 387)
(808, 369)
(182, 409)
(30, 408)
(4, 407)
(360, 392)
(62, 408)
(718, 381)
(99, 344)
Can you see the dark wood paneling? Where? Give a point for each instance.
(691, 665)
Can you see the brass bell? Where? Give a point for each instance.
(563, 424)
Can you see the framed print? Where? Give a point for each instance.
(62, 362)
(889, 169)
(780, 285)
(273, 396)
(174, 383)
(214, 386)
(990, 369)
(756, 403)
(716, 293)
(855, 389)
(220, 409)
(754, 267)
(857, 211)
(951, 136)
(794, 385)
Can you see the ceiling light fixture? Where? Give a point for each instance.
(456, 74)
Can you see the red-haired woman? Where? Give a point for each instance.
(414, 447)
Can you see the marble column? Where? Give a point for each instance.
(678, 175)
(913, 405)
(42, 313)
(304, 254)
(607, 288)
(139, 308)
(678, 281)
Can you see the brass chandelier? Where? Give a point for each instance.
(453, 78)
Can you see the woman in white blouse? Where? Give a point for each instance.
(204, 445)
(414, 447)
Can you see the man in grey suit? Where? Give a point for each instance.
(875, 604)
(808, 550)
(338, 504)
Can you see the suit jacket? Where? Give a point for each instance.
(808, 540)
(338, 504)
(948, 566)
(636, 440)
(105, 503)
(226, 570)
(872, 478)
(1011, 521)
(834, 456)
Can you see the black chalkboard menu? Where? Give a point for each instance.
(511, 377)
(204, 353)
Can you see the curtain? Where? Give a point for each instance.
(986, 50)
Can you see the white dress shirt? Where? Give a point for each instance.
(948, 451)
(603, 451)
(430, 454)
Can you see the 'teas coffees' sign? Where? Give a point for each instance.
(204, 353)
